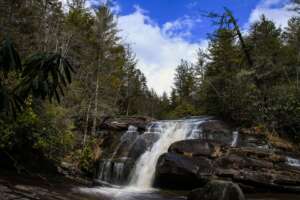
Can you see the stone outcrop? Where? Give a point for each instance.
(253, 163)
(220, 153)
(218, 190)
(122, 123)
(127, 146)
(142, 143)
(181, 172)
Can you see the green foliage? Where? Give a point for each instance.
(184, 81)
(247, 80)
(85, 156)
(9, 58)
(45, 75)
(263, 91)
(57, 137)
(48, 133)
(183, 110)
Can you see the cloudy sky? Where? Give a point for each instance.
(162, 32)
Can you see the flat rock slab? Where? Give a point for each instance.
(218, 190)
(24, 188)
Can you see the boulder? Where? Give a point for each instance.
(181, 172)
(214, 128)
(218, 190)
(198, 147)
(191, 163)
(238, 162)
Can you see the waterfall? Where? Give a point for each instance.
(155, 128)
(235, 138)
(111, 170)
(293, 162)
(170, 132)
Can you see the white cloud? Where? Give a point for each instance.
(158, 53)
(276, 10)
(181, 27)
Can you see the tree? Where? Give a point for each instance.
(105, 43)
(43, 75)
(184, 81)
(292, 39)
(224, 62)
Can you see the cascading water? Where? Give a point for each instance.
(293, 162)
(171, 131)
(111, 170)
(235, 137)
(150, 145)
(143, 173)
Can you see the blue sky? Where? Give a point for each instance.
(162, 32)
(163, 11)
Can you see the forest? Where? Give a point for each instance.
(62, 71)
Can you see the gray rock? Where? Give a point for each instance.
(194, 148)
(142, 143)
(181, 172)
(218, 190)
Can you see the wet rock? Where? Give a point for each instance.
(122, 123)
(218, 190)
(126, 144)
(257, 141)
(192, 162)
(114, 171)
(216, 130)
(97, 182)
(142, 143)
(69, 169)
(215, 127)
(238, 162)
(181, 172)
(194, 148)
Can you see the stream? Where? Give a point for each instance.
(140, 181)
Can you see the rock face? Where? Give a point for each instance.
(251, 162)
(142, 143)
(181, 172)
(195, 148)
(122, 124)
(126, 143)
(220, 153)
(218, 190)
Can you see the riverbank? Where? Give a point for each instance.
(175, 155)
(21, 187)
(34, 187)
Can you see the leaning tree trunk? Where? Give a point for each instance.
(240, 36)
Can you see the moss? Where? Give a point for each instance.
(280, 143)
(272, 137)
